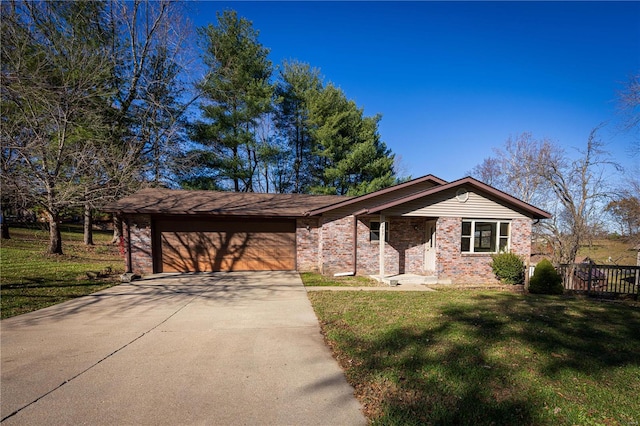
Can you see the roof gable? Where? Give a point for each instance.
(501, 197)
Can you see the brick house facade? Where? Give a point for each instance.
(460, 224)
(137, 239)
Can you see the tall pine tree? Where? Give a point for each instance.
(297, 85)
(237, 93)
(350, 157)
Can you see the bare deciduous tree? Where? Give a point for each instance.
(629, 107)
(582, 189)
(490, 172)
(54, 74)
(89, 100)
(514, 168)
(575, 191)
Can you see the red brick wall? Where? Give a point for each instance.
(463, 268)
(521, 238)
(336, 245)
(368, 251)
(408, 238)
(404, 252)
(307, 245)
(138, 227)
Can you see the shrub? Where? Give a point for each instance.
(508, 268)
(545, 279)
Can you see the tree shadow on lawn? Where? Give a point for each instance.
(502, 359)
(571, 334)
(41, 283)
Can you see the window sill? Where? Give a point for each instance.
(464, 254)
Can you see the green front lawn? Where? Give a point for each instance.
(30, 279)
(312, 279)
(486, 357)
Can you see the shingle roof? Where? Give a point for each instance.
(168, 201)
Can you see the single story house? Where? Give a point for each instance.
(443, 230)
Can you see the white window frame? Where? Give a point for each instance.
(496, 239)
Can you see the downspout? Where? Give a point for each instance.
(129, 258)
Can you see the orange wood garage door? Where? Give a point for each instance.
(205, 245)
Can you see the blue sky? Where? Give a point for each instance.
(453, 80)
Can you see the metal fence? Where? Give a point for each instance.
(601, 279)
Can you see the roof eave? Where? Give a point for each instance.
(288, 215)
(334, 206)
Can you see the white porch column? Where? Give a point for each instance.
(383, 233)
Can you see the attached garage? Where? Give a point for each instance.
(209, 231)
(211, 245)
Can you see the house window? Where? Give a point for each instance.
(484, 236)
(374, 231)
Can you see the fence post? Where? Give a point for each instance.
(589, 277)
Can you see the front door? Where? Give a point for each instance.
(430, 248)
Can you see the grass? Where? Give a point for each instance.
(312, 279)
(30, 279)
(486, 357)
(609, 251)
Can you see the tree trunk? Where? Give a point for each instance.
(55, 238)
(5, 229)
(4, 225)
(117, 229)
(88, 225)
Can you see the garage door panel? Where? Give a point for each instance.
(227, 246)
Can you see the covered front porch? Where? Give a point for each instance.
(408, 252)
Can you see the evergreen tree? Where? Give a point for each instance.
(351, 158)
(237, 93)
(298, 84)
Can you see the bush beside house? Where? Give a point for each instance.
(508, 268)
(545, 279)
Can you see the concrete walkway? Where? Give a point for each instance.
(400, 287)
(219, 349)
(401, 282)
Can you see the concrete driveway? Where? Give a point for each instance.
(222, 348)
